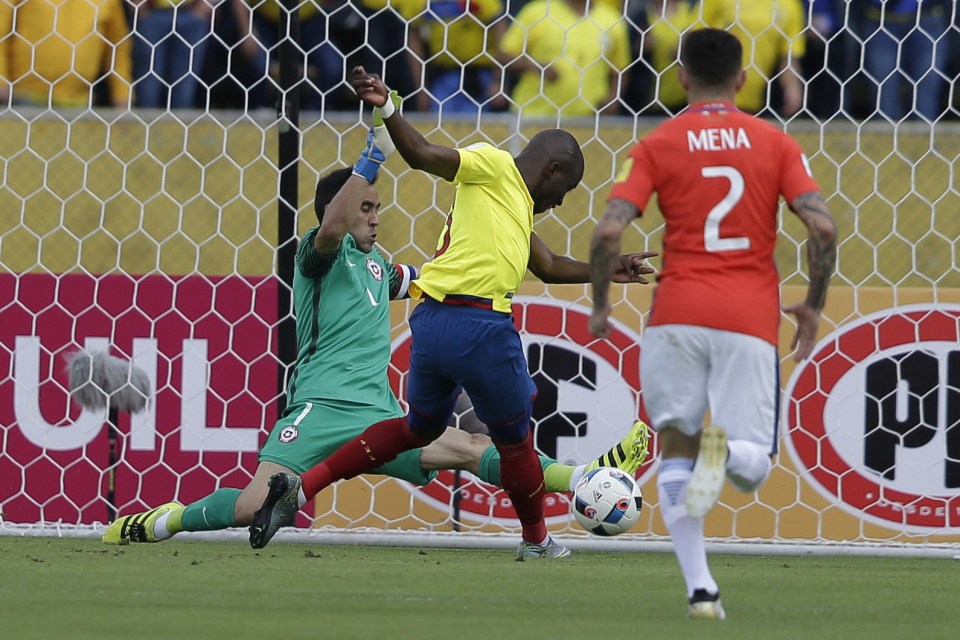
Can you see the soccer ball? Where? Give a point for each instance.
(607, 501)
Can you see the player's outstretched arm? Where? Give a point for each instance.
(821, 259)
(554, 269)
(604, 249)
(413, 147)
(352, 197)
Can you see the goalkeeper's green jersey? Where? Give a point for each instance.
(343, 325)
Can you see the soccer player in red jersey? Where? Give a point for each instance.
(712, 339)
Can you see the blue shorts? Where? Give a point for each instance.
(479, 350)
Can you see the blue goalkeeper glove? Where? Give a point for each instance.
(370, 159)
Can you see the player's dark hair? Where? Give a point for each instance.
(711, 57)
(328, 187)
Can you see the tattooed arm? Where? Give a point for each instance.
(821, 259)
(604, 253)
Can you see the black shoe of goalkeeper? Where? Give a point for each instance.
(278, 509)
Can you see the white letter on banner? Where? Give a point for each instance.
(195, 435)
(143, 425)
(26, 401)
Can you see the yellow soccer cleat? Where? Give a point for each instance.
(628, 454)
(138, 527)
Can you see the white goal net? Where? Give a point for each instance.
(149, 189)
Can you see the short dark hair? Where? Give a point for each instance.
(328, 187)
(711, 57)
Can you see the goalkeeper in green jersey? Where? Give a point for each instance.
(339, 386)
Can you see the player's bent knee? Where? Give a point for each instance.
(512, 430)
(748, 461)
(748, 465)
(426, 427)
(747, 485)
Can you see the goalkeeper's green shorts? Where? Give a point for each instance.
(309, 433)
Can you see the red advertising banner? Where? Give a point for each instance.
(206, 343)
(874, 417)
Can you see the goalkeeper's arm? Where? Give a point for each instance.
(352, 199)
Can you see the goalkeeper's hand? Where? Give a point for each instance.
(380, 134)
(370, 159)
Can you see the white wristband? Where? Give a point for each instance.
(387, 109)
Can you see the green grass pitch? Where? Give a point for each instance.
(74, 589)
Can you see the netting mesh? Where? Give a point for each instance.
(140, 171)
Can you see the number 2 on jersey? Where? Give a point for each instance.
(711, 230)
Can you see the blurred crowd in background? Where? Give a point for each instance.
(858, 59)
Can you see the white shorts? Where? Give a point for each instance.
(686, 370)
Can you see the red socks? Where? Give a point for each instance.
(522, 479)
(378, 445)
(520, 470)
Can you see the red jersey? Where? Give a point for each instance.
(718, 174)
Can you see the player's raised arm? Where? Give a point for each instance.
(821, 259)
(355, 195)
(413, 147)
(604, 249)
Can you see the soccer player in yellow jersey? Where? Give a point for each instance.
(463, 332)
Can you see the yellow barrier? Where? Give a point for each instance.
(201, 196)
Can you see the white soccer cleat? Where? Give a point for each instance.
(709, 472)
(706, 606)
(553, 549)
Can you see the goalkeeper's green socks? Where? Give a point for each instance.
(490, 471)
(212, 513)
(557, 477)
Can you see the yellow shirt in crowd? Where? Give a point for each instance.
(584, 50)
(270, 9)
(456, 31)
(768, 31)
(168, 4)
(665, 33)
(60, 48)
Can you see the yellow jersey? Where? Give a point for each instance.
(769, 30)
(584, 50)
(484, 247)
